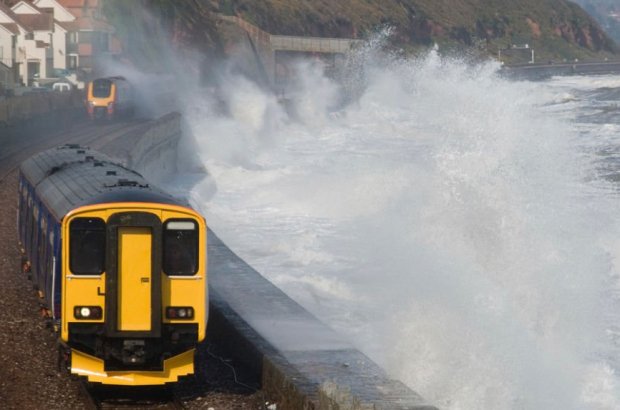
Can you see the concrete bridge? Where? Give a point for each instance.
(274, 53)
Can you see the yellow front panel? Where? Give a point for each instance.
(89, 366)
(175, 291)
(134, 279)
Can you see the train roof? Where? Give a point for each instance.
(112, 78)
(71, 176)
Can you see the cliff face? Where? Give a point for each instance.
(557, 29)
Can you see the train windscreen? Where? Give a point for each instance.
(102, 88)
(87, 237)
(180, 247)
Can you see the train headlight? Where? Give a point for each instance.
(180, 312)
(88, 312)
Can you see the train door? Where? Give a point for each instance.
(133, 281)
(134, 278)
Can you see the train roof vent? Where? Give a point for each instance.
(56, 168)
(69, 146)
(98, 164)
(81, 151)
(110, 173)
(89, 158)
(122, 182)
(127, 182)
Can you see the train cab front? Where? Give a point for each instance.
(101, 95)
(134, 305)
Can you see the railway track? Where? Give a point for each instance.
(23, 143)
(118, 398)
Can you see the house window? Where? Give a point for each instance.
(29, 36)
(73, 37)
(73, 61)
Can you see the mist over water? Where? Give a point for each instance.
(459, 228)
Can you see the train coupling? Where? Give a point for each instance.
(134, 352)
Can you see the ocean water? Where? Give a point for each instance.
(460, 228)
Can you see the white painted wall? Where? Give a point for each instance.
(60, 47)
(60, 13)
(4, 18)
(6, 40)
(24, 8)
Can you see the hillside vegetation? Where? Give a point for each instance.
(556, 29)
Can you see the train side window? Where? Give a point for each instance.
(180, 247)
(41, 241)
(28, 227)
(22, 211)
(87, 246)
(34, 228)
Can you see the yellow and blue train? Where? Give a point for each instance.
(120, 264)
(109, 98)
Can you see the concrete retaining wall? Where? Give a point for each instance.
(40, 106)
(542, 71)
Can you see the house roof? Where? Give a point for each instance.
(12, 27)
(8, 12)
(62, 24)
(60, 12)
(88, 23)
(31, 8)
(78, 3)
(36, 22)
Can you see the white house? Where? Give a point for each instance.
(8, 42)
(35, 46)
(39, 36)
(61, 14)
(62, 19)
(9, 31)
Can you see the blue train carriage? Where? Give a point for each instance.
(120, 264)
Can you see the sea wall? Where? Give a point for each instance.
(300, 362)
(542, 71)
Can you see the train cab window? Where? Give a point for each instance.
(102, 88)
(180, 247)
(87, 246)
